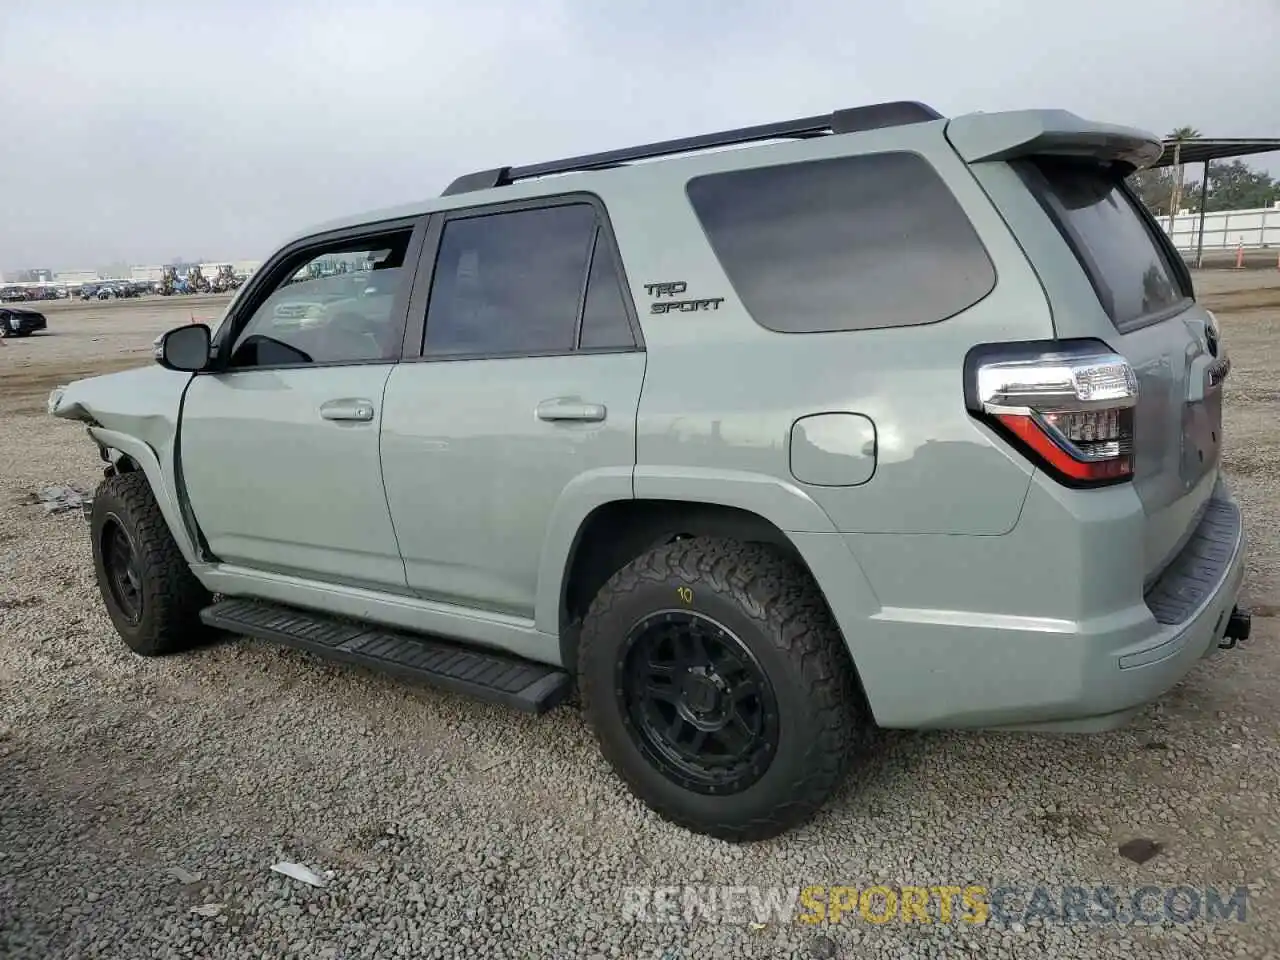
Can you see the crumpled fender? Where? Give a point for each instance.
(135, 414)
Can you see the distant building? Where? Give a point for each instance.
(40, 275)
(76, 277)
(146, 274)
(142, 273)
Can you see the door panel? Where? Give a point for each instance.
(477, 452)
(279, 439)
(530, 378)
(281, 469)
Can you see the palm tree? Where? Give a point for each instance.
(1178, 135)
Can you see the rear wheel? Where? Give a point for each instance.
(150, 593)
(719, 687)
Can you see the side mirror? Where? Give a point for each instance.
(185, 348)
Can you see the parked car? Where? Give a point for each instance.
(879, 419)
(20, 322)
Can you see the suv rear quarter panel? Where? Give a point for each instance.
(722, 392)
(1169, 354)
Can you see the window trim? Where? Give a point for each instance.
(1038, 183)
(289, 257)
(586, 286)
(602, 236)
(416, 330)
(929, 162)
(1177, 266)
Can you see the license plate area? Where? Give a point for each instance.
(1201, 436)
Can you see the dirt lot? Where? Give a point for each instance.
(88, 338)
(132, 791)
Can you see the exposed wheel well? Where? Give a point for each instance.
(121, 463)
(617, 532)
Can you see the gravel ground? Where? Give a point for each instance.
(133, 791)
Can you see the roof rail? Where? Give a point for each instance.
(869, 117)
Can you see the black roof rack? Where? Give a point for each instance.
(869, 117)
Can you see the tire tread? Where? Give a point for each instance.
(779, 594)
(173, 597)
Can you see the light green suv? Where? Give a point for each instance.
(879, 419)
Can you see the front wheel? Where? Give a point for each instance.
(719, 687)
(150, 593)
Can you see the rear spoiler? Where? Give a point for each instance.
(979, 137)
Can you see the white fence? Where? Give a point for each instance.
(1225, 229)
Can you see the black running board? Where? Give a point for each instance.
(496, 677)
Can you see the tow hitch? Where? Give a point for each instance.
(1238, 626)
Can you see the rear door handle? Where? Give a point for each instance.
(564, 409)
(347, 409)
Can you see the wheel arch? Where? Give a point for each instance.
(615, 532)
(127, 454)
(771, 500)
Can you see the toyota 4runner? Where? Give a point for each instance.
(879, 419)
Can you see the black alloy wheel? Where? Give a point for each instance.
(123, 569)
(719, 687)
(697, 703)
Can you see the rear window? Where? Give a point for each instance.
(1118, 248)
(851, 243)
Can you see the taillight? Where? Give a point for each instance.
(1071, 410)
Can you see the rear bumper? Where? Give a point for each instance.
(956, 668)
(1189, 610)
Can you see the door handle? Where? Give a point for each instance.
(347, 409)
(561, 409)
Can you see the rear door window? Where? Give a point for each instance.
(851, 243)
(1118, 248)
(511, 283)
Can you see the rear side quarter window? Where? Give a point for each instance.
(1131, 265)
(850, 243)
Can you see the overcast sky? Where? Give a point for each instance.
(141, 131)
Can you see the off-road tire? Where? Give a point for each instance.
(770, 602)
(172, 597)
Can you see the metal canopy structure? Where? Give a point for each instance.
(1204, 150)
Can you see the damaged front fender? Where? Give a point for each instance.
(134, 414)
(143, 402)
